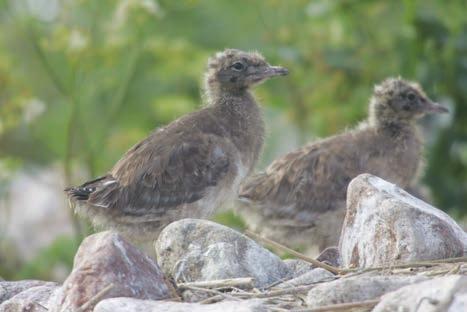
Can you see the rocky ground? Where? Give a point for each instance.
(396, 253)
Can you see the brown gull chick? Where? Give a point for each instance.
(189, 167)
(300, 198)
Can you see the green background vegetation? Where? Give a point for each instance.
(107, 72)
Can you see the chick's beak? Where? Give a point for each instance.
(272, 71)
(433, 107)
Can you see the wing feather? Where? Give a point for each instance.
(151, 183)
(311, 178)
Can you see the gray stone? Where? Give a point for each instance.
(10, 289)
(135, 305)
(357, 288)
(106, 258)
(298, 267)
(384, 224)
(198, 250)
(34, 299)
(447, 293)
(310, 277)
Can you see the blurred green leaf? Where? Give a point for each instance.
(59, 254)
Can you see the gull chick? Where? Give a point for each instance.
(191, 166)
(300, 198)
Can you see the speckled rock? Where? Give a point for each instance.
(357, 288)
(135, 305)
(106, 258)
(310, 277)
(385, 224)
(34, 299)
(199, 250)
(10, 289)
(298, 267)
(447, 293)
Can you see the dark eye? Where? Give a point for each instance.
(411, 97)
(238, 66)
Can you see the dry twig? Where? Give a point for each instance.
(242, 282)
(407, 265)
(316, 263)
(212, 291)
(276, 293)
(95, 298)
(343, 306)
(40, 305)
(212, 299)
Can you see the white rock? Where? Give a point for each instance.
(34, 299)
(310, 277)
(447, 293)
(135, 305)
(459, 303)
(198, 250)
(384, 224)
(358, 288)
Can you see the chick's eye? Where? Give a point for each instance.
(411, 96)
(238, 66)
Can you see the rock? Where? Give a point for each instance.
(357, 288)
(34, 299)
(447, 293)
(135, 305)
(10, 289)
(310, 277)
(106, 258)
(385, 224)
(297, 267)
(189, 295)
(459, 303)
(330, 256)
(198, 250)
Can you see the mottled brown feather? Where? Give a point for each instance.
(173, 166)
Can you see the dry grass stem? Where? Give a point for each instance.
(95, 299)
(315, 262)
(242, 282)
(368, 304)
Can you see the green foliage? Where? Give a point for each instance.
(447, 173)
(230, 219)
(59, 254)
(80, 84)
